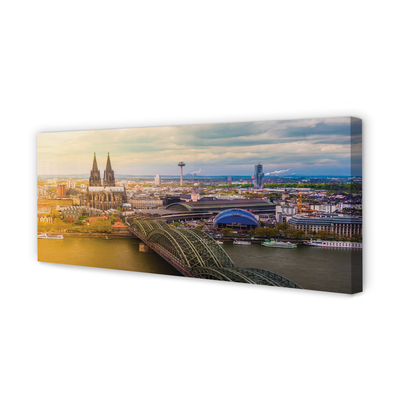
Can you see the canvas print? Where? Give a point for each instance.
(274, 203)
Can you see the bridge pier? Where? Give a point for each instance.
(143, 248)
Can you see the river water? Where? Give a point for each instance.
(310, 267)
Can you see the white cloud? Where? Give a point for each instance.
(277, 172)
(276, 144)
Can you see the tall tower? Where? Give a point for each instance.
(258, 176)
(181, 164)
(61, 191)
(109, 179)
(95, 179)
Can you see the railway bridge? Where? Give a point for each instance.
(196, 254)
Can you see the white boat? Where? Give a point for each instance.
(46, 236)
(332, 244)
(240, 242)
(219, 242)
(275, 243)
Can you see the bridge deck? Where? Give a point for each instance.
(160, 252)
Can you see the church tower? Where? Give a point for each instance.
(95, 179)
(109, 179)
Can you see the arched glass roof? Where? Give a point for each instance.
(236, 215)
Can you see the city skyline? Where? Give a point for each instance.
(214, 199)
(306, 147)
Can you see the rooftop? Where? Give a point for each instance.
(236, 215)
(118, 225)
(236, 203)
(300, 220)
(106, 188)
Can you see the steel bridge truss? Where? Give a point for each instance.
(200, 256)
(244, 275)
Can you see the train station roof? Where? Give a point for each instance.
(220, 205)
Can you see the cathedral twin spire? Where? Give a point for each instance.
(109, 179)
(95, 179)
(95, 163)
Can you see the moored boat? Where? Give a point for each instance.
(333, 244)
(219, 242)
(240, 242)
(47, 236)
(275, 243)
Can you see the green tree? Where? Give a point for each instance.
(323, 235)
(112, 219)
(227, 231)
(73, 192)
(119, 208)
(260, 231)
(56, 213)
(283, 226)
(199, 227)
(296, 233)
(59, 225)
(43, 226)
(271, 232)
(176, 224)
(99, 226)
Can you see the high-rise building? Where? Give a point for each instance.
(109, 179)
(95, 179)
(157, 180)
(229, 179)
(61, 191)
(258, 176)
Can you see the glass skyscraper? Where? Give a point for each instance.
(258, 177)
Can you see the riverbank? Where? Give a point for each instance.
(95, 235)
(315, 268)
(94, 251)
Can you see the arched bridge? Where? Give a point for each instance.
(196, 254)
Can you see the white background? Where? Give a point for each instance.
(81, 333)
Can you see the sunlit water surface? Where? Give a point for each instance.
(310, 267)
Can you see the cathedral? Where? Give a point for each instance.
(104, 196)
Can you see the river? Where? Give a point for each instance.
(310, 267)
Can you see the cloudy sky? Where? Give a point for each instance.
(295, 147)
